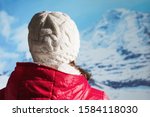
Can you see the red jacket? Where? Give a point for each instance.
(31, 81)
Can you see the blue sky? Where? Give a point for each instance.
(16, 14)
(84, 12)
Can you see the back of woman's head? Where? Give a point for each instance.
(53, 38)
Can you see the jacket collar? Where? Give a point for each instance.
(53, 83)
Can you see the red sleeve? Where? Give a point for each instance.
(2, 94)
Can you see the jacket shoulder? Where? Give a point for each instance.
(95, 94)
(2, 92)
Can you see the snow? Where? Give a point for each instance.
(129, 93)
(3, 81)
(118, 54)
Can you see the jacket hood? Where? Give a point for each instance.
(30, 81)
(35, 81)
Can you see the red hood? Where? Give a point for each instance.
(33, 81)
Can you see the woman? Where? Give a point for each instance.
(54, 45)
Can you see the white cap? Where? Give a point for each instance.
(53, 38)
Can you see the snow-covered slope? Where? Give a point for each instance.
(117, 50)
(3, 80)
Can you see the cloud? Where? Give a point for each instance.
(20, 38)
(2, 66)
(17, 36)
(5, 24)
(6, 58)
(5, 55)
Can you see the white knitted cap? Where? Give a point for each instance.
(53, 38)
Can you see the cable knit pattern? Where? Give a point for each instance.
(53, 38)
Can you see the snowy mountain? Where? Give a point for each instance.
(117, 50)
